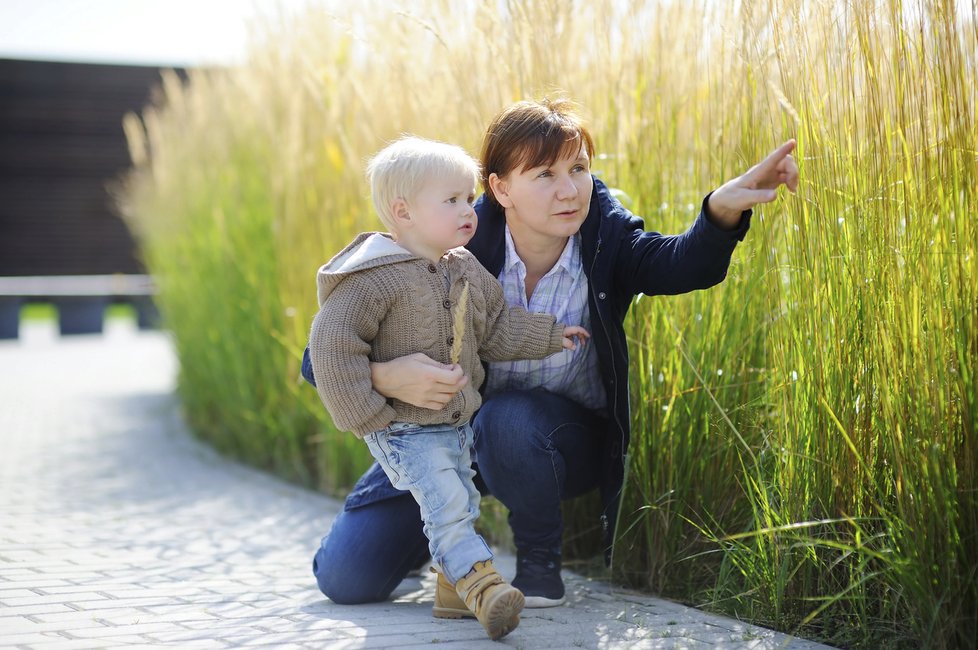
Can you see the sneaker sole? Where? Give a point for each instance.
(538, 602)
(504, 617)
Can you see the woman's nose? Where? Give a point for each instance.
(566, 189)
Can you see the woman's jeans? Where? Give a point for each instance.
(434, 463)
(533, 450)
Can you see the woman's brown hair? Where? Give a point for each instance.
(532, 133)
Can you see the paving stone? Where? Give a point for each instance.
(63, 643)
(120, 631)
(75, 615)
(33, 638)
(37, 599)
(23, 625)
(17, 593)
(120, 529)
(113, 603)
(36, 610)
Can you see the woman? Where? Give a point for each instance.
(558, 428)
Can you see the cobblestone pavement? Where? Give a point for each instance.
(119, 529)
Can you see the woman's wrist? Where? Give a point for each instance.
(379, 377)
(722, 218)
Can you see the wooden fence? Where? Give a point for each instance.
(61, 145)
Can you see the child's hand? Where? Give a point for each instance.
(573, 335)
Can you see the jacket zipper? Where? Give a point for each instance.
(614, 373)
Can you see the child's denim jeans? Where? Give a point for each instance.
(434, 463)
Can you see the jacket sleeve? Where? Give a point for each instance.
(339, 347)
(651, 263)
(511, 333)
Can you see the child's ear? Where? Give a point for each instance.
(399, 209)
(500, 190)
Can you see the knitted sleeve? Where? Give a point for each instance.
(339, 346)
(510, 333)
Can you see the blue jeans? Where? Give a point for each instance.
(533, 450)
(434, 463)
(536, 449)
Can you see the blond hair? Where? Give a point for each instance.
(401, 169)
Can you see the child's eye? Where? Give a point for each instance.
(452, 200)
(471, 199)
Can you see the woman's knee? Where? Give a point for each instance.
(337, 580)
(526, 436)
(368, 551)
(514, 406)
(510, 421)
(339, 575)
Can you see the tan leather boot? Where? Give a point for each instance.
(448, 604)
(496, 603)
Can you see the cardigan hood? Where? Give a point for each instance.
(366, 251)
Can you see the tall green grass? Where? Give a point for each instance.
(804, 442)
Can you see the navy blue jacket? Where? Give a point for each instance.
(621, 260)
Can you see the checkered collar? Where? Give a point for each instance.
(569, 260)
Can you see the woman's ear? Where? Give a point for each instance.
(500, 190)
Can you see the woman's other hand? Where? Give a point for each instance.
(419, 380)
(758, 185)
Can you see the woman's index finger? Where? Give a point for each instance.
(774, 158)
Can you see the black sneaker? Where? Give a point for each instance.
(538, 577)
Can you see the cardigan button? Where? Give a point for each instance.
(447, 304)
(450, 340)
(456, 415)
(432, 268)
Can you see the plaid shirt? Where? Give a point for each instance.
(562, 292)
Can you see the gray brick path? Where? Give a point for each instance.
(118, 529)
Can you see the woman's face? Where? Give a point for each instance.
(549, 201)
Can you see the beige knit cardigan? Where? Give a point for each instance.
(378, 301)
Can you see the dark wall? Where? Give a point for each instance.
(61, 143)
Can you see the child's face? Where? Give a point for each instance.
(441, 217)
